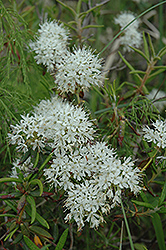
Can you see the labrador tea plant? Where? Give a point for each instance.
(73, 169)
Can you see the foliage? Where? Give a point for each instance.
(32, 213)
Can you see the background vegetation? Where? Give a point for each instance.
(120, 108)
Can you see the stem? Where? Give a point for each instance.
(121, 236)
(127, 226)
(149, 161)
(145, 78)
(71, 236)
(78, 98)
(43, 165)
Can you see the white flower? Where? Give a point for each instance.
(84, 201)
(53, 123)
(156, 96)
(130, 36)
(78, 70)
(100, 176)
(157, 134)
(50, 43)
(26, 133)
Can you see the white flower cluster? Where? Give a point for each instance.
(130, 36)
(100, 176)
(74, 71)
(91, 173)
(50, 44)
(53, 123)
(157, 134)
(78, 70)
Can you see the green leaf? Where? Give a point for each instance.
(143, 196)
(92, 26)
(143, 204)
(140, 53)
(8, 215)
(78, 8)
(30, 244)
(40, 231)
(62, 240)
(11, 205)
(162, 52)
(138, 72)
(92, 9)
(21, 203)
(39, 183)
(39, 218)
(162, 210)
(139, 246)
(31, 201)
(159, 67)
(129, 65)
(146, 49)
(68, 7)
(11, 233)
(158, 231)
(163, 195)
(42, 221)
(151, 46)
(43, 165)
(10, 179)
(155, 74)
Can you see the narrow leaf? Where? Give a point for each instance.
(8, 215)
(162, 52)
(158, 231)
(143, 204)
(39, 183)
(62, 240)
(140, 53)
(31, 201)
(146, 49)
(159, 67)
(139, 246)
(92, 26)
(151, 46)
(21, 203)
(68, 7)
(129, 65)
(10, 179)
(156, 73)
(163, 195)
(30, 244)
(42, 221)
(11, 234)
(137, 72)
(39, 218)
(40, 231)
(78, 8)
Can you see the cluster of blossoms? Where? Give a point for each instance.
(90, 173)
(78, 70)
(50, 43)
(157, 134)
(131, 36)
(74, 71)
(53, 123)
